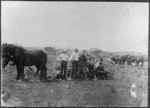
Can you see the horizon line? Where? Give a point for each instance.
(74, 48)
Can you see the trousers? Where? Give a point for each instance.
(73, 74)
(63, 69)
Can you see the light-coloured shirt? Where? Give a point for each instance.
(63, 57)
(74, 56)
(110, 60)
(91, 61)
(96, 65)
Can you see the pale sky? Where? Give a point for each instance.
(109, 26)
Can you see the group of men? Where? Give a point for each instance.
(64, 58)
(79, 65)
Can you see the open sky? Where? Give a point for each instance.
(109, 26)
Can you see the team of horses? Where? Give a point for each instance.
(22, 57)
(129, 59)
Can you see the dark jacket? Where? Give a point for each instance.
(83, 58)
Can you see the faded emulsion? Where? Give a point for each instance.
(74, 54)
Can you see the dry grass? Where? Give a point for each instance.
(99, 93)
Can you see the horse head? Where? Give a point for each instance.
(6, 57)
(8, 53)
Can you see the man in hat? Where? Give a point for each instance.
(74, 58)
(64, 60)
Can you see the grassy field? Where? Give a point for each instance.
(87, 93)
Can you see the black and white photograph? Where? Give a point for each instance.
(74, 54)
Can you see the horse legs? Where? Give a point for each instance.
(43, 73)
(20, 72)
(37, 72)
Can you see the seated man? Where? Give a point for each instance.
(99, 70)
(90, 65)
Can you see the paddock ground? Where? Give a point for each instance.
(86, 93)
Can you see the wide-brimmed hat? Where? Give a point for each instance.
(76, 50)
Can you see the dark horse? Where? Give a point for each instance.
(22, 57)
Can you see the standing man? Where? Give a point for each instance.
(74, 59)
(64, 60)
(82, 64)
